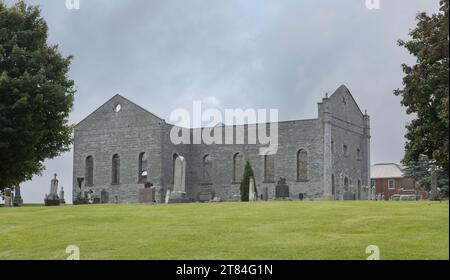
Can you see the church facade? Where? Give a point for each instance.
(120, 147)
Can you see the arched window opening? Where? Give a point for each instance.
(115, 169)
(143, 168)
(346, 183)
(207, 169)
(302, 165)
(345, 150)
(358, 194)
(333, 187)
(269, 168)
(237, 167)
(89, 171)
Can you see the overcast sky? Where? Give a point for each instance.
(249, 54)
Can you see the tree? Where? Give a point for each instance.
(245, 183)
(36, 95)
(421, 171)
(425, 92)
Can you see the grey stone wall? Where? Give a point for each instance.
(127, 133)
(133, 130)
(293, 135)
(351, 128)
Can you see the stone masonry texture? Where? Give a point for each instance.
(337, 143)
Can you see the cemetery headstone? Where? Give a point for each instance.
(252, 190)
(282, 189)
(205, 196)
(158, 194)
(179, 182)
(61, 196)
(146, 195)
(348, 195)
(52, 199)
(18, 201)
(104, 196)
(166, 200)
(7, 197)
(89, 196)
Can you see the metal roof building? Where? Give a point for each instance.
(386, 170)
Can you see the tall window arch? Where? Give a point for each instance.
(358, 190)
(346, 183)
(143, 168)
(237, 167)
(269, 168)
(333, 186)
(89, 171)
(115, 169)
(174, 157)
(302, 165)
(207, 169)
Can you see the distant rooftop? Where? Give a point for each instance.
(386, 170)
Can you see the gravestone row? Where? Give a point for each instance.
(12, 198)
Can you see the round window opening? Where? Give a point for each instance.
(117, 108)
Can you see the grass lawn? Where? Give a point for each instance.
(229, 230)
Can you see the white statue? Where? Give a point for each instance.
(54, 186)
(252, 190)
(167, 196)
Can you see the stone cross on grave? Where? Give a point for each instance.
(52, 198)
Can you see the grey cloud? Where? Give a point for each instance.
(264, 54)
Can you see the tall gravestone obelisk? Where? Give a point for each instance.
(52, 199)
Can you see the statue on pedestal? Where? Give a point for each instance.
(52, 199)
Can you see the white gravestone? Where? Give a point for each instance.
(17, 197)
(52, 198)
(179, 181)
(157, 190)
(167, 196)
(54, 186)
(7, 197)
(251, 190)
(61, 195)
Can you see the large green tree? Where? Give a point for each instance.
(421, 171)
(36, 95)
(425, 91)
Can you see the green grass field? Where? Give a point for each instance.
(231, 230)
